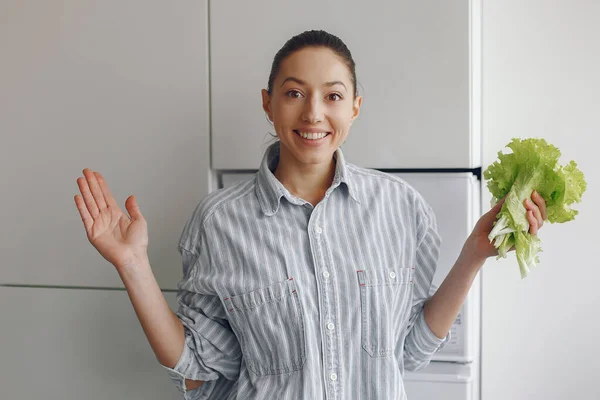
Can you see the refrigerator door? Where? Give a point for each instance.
(442, 380)
(62, 344)
(455, 199)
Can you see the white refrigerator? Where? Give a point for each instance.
(419, 72)
(160, 108)
(454, 372)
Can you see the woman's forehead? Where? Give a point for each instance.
(314, 66)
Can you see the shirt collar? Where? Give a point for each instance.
(269, 190)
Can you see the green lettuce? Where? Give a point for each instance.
(532, 165)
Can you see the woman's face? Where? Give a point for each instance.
(312, 93)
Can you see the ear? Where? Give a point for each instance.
(266, 104)
(356, 108)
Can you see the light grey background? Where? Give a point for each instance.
(540, 79)
(122, 87)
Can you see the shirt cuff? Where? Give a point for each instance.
(177, 375)
(429, 342)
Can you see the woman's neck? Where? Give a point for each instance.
(306, 181)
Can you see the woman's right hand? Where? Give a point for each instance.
(121, 240)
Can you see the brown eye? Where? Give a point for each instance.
(294, 94)
(335, 97)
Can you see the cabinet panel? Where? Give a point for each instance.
(120, 87)
(416, 73)
(60, 344)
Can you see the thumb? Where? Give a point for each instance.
(496, 209)
(492, 214)
(133, 208)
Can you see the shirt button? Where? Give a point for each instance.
(318, 230)
(392, 274)
(333, 377)
(325, 274)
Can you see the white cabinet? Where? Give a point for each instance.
(120, 87)
(63, 344)
(417, 64)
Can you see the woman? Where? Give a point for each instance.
(308, 281)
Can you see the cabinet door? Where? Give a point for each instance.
(417, 65)
(118, 86)
(62, 344)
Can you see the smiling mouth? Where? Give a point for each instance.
(312, 136)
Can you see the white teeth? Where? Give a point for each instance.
(312, 136)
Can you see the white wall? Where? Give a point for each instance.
(540, 78)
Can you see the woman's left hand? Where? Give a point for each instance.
(479, 245)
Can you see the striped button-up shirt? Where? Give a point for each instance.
(281, 299)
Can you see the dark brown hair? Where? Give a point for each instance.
(313, 38)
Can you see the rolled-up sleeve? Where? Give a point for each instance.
(421, 343)
(211, 352)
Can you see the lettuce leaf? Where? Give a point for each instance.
(532, 165)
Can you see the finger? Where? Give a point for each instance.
(533, 223)
(108, 197)
(134, 208)
(541, 203)
(536, 212)
(95, 188)
(88, 222)
(87, 197)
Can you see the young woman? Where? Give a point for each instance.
(309, 281)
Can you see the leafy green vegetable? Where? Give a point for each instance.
(532, 165)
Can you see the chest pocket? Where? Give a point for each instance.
(385, 296)
(270, 326)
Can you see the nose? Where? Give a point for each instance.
(313, 110)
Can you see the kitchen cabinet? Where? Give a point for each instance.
(62, 344)
(417, 65)
(120, 87)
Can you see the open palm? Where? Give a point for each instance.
(121, 240)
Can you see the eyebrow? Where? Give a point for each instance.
(301, 82)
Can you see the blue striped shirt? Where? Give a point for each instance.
(283, 300)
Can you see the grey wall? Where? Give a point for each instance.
(121, 87)
(104, 86)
